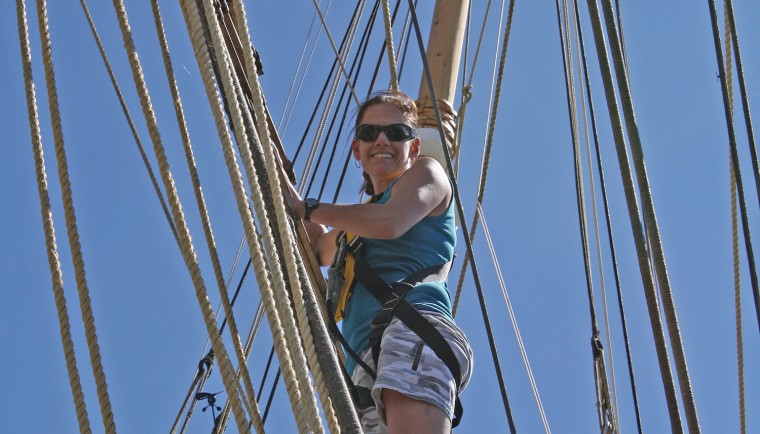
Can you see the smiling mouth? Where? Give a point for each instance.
(383, 155)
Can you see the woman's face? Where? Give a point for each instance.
(382, 158)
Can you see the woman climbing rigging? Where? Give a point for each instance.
(415, 360)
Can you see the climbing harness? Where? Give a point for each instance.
(350, 267)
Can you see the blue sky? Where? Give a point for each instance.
(149, 328)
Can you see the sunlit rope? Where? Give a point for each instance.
(302, 397)
(603, 185)
(224, 295)
(493, 109)
(47, 223)
(389, 45)
(460, 211)
(131, 123)
(735, 233)
(71, 223)
(513, 319)
(188, 253)
(196, 31)
(637, 225)
(301, 292)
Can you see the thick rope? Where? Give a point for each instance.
(493, 109)
(277, 201)
(637, 225)
(279, 331)
(389, 45)
(188, 254)
(71, 223)
(131, 123)
(229, 315)
(47, 222)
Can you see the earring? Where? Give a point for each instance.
(356, 164)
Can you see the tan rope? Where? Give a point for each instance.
(735, 236)
(47, 223)
(307, 405)
(131, 123)
(188, 253)
(233, 329)
(195, 29)
(389, 44)
(71, 223)
(282, 219)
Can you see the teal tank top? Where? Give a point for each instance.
(428, 243)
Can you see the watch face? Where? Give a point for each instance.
(312, 203)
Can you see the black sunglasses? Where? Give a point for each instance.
(394, 132)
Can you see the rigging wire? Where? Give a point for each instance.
(512, 318)
(607, 421)
(735, 236)
(594, 213)
(280, 128)
(493, 108)
(460, 210)
(735, 160)
(130, 122)
(608, 220)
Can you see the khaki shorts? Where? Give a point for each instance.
(407, 365)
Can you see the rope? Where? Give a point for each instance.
(71, 223)
(595, 214)
(637, 225)
(229, 315)
(735, 236)
(47, 223)
(468, 243)
(748, 123)
(513, 319)
(607, 422)
(389, 44)
(345, 49)
(735, 160)
(131, 123)
(493, 109)
(608, 220)
(276, 306)
(188, 253)
(306, 314)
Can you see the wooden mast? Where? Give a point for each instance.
(443, 57)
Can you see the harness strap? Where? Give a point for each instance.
(392, 298)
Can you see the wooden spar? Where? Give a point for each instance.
(443, 55)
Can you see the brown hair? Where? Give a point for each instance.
(400, 100)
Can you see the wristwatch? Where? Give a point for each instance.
(311, 205)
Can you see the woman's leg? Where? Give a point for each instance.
(407, 415)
